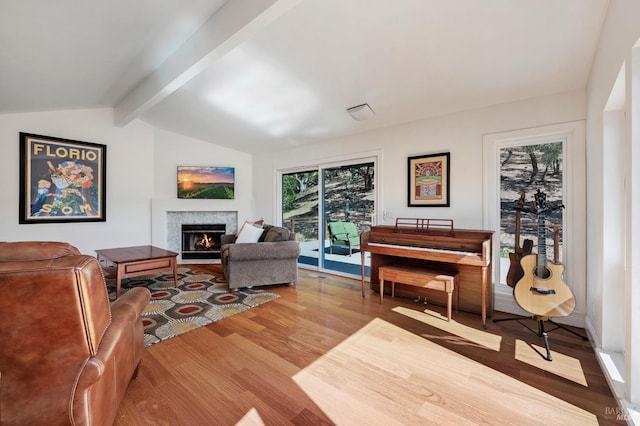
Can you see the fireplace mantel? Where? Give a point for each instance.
(167, 216)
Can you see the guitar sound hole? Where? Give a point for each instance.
(542, 272)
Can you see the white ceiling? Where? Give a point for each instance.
(258, 75)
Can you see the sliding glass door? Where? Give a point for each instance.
(300, 203)
(348, 196)
(328, 207)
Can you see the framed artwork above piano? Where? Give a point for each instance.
(429, 180)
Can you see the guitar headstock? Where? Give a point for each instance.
(540, 201)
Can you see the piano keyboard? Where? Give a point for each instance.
(429, 249)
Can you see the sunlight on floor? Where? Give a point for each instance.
(384, 375)
(469, 334)
(252, 418)
(562, 365)
(610, 363)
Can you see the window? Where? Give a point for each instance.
(525, 169)
(552, 159)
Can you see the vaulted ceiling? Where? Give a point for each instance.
(258, 75)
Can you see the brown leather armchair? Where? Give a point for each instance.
(66, 354)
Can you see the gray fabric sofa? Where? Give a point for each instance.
(272, 260)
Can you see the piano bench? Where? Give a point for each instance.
(418, 277)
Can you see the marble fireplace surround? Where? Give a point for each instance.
(167, 220)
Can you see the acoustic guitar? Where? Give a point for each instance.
(541, 290)
(516, 272)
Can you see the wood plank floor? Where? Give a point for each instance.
(321, 354)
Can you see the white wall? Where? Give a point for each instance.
(129, 182)
(460, 134)
(141, 168)
(619, 34)
(173, 150)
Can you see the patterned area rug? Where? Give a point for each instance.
(199, 299)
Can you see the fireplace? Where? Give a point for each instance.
(202, 241)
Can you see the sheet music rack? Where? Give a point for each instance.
(430, 226)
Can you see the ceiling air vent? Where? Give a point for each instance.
(361, 112)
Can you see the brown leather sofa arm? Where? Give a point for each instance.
(118, 345)
(137, 298)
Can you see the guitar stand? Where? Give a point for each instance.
(541, 332)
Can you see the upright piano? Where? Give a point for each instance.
(434, 244)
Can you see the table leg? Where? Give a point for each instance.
(175, 272)
(119, 272)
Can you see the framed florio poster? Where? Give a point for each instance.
(61, 180)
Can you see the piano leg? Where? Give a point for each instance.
(484, 296)
(362, 270)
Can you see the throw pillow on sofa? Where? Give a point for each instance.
(249, 233)
(276, 234)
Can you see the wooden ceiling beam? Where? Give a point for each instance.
(232, 25)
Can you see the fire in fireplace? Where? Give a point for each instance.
(202, 241)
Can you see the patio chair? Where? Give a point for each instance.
(343, 234)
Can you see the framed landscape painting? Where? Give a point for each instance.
(429, 180)
(61, 180)
(206, 182)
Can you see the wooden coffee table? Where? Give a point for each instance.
(129, 262)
